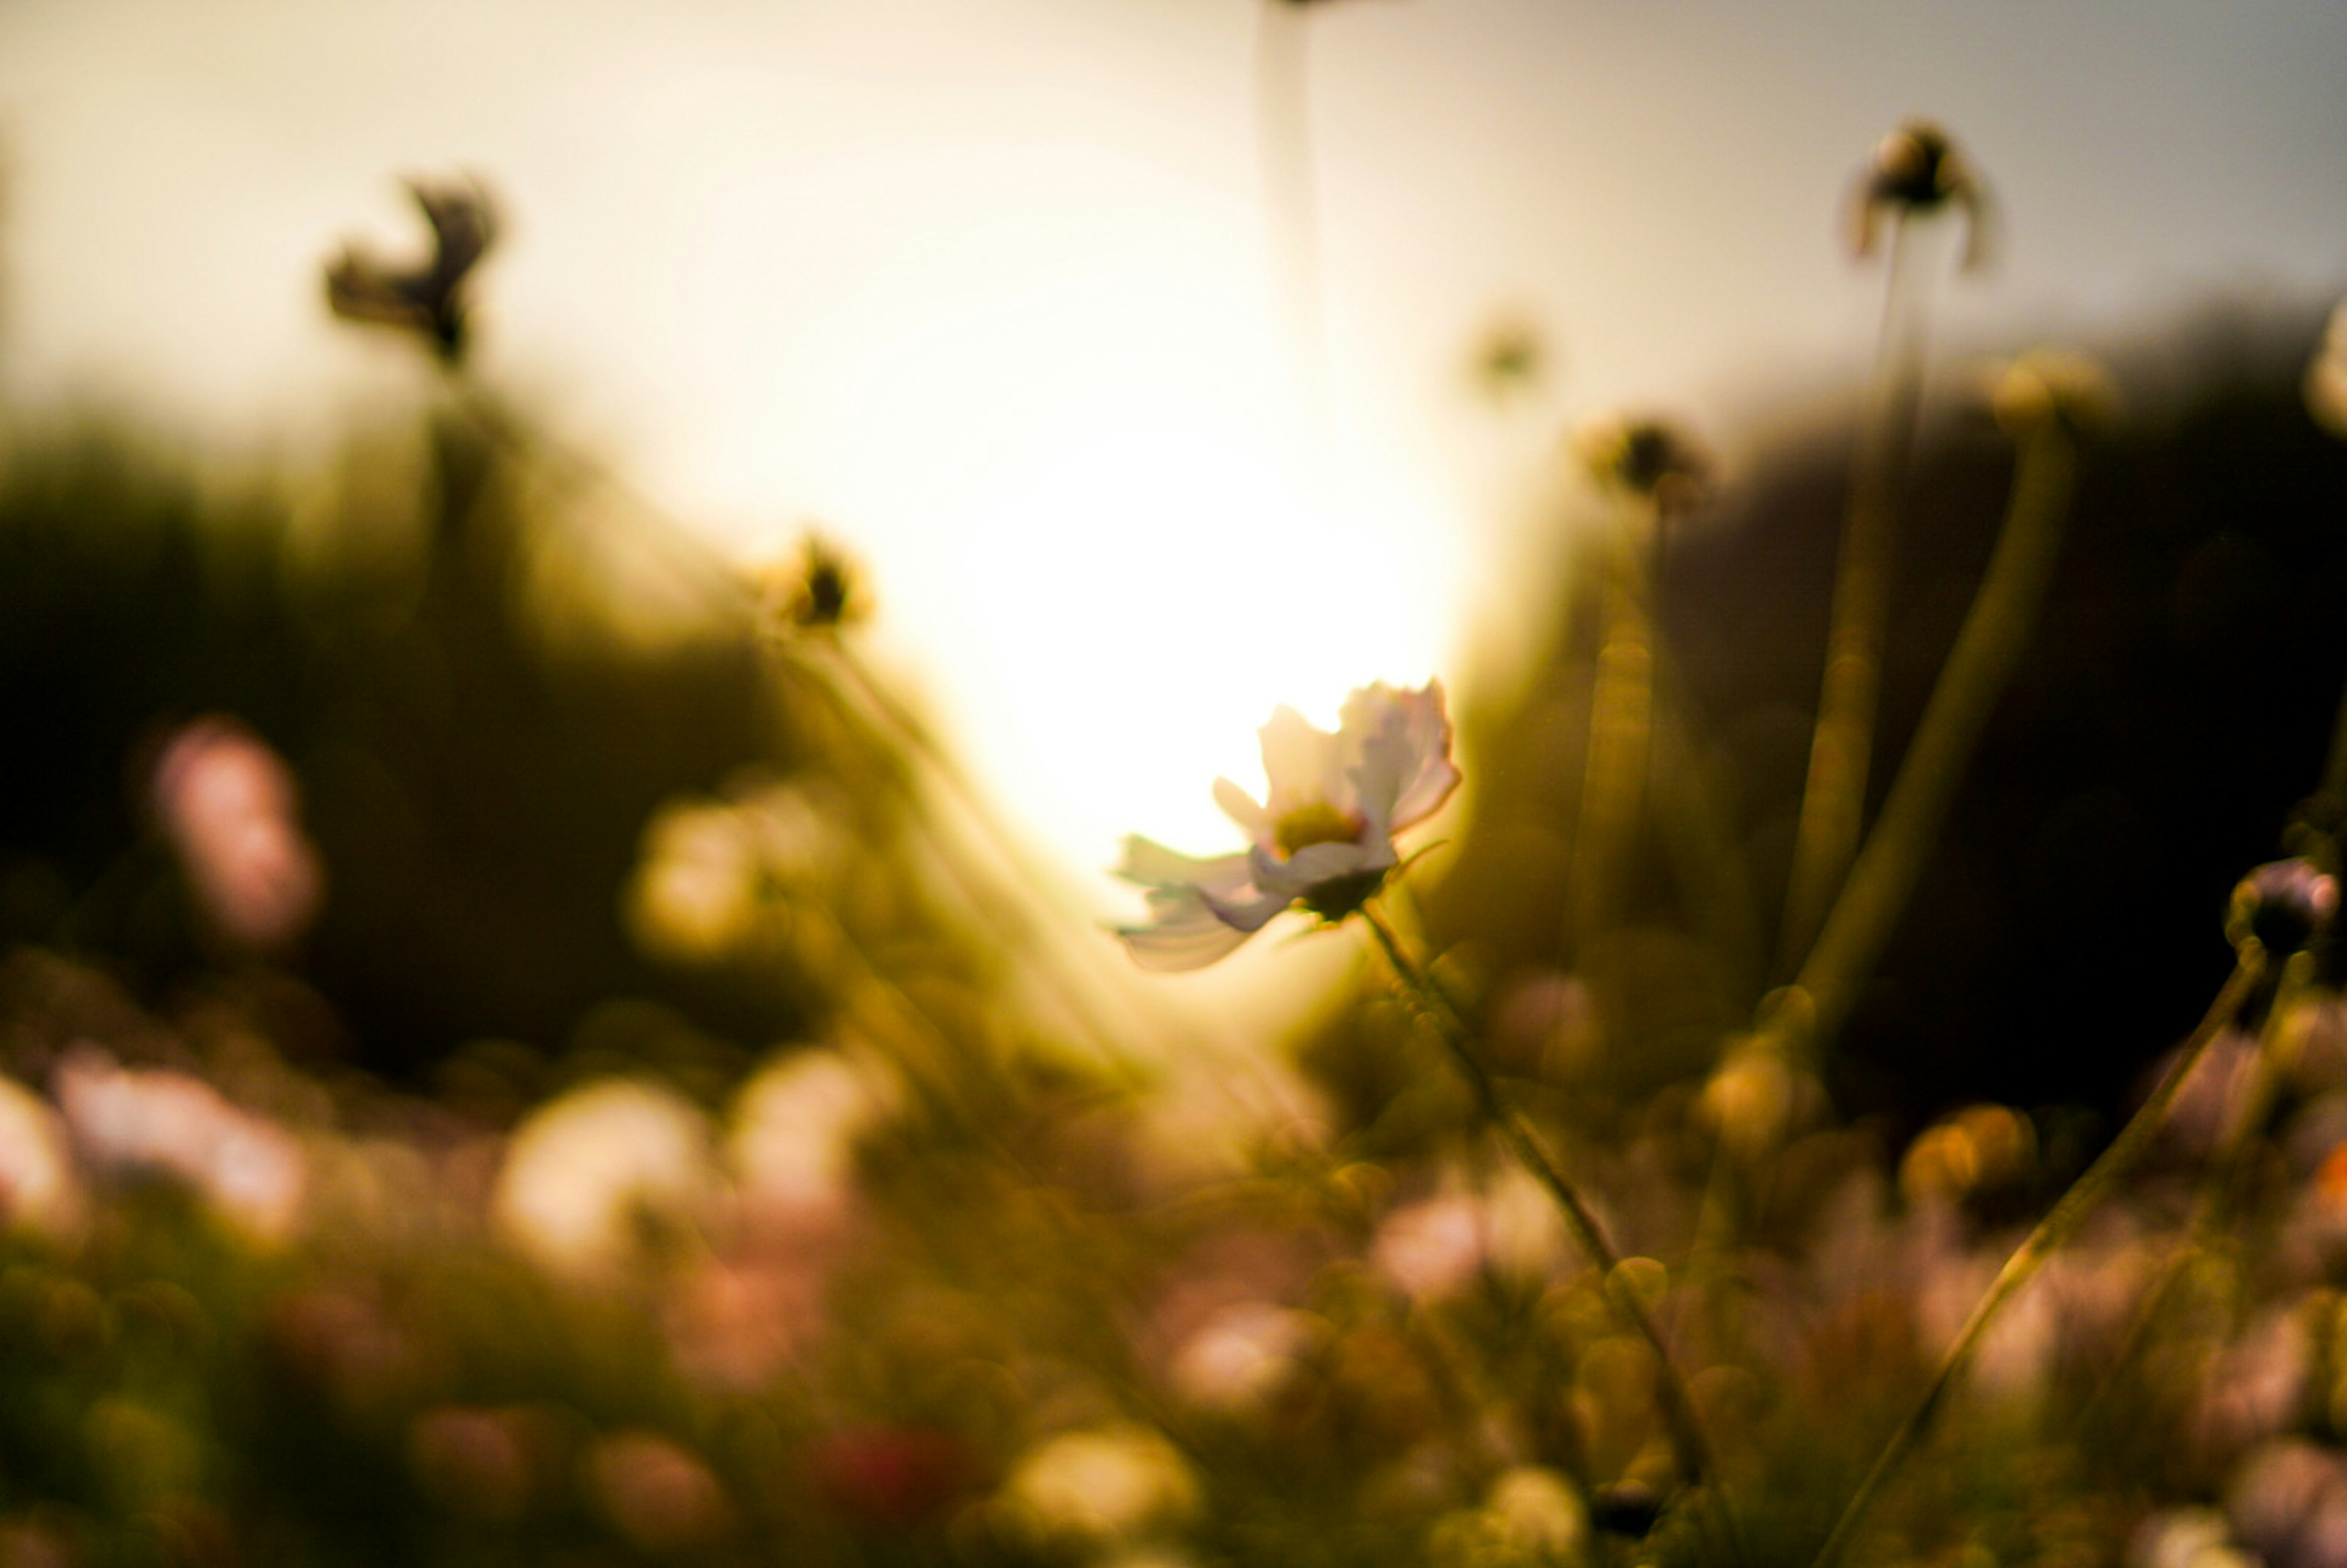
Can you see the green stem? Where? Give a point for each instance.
(2109, 1169)
(1833, 801)
(2221, 1182)
(1690, 1444)
(1621, 725)
(1989, 648)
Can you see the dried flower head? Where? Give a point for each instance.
(429, 297)
(1917, 169)
(1323, 835)
(1646, 457)
(819, 591)
(2284, 906)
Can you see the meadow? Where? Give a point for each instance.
(1844, 1062)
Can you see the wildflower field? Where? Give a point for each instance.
(1839, 1062)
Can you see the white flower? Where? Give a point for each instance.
(585, 1171)
(1323, 837)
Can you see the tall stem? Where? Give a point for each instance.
(1284, 124)
(2220, 1181)
(2059, 1224)
(1689, 1445)
(1988, 649)
(1841, 748)
(1621, 724)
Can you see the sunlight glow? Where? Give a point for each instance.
(1100, 534)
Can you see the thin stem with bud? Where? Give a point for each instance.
(1833, 801)
(1987, 652)
(2062, 1222)
(1690, 1445)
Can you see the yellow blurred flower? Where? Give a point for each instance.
(1107, 1483)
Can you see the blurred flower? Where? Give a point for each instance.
(820, 590)
(1436, 1247)
(429, 298)
(2288, 1501)
(1755, 1097)
(707, 877)
(248, 1168)
(343, 1339)
(2326, 376)
(475, 1462)
(1243, 1354)
(587, 1174)
(1649, 458)
(227, 802)
(890, 1475)
(797, 1123)
(1531, 1516)
(2257, 1387)
(1917, 169)
(738, 1315)
(657, 1494)
(37, 1189)
(736, 1321)
(1982, 1148)
(694, 894)
(1323, 836)
(1108, 1483)
(2285, 904)
(2186, 1538)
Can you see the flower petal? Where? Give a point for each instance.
(1241, 808)
(1152, 865)
(1185, 935)
(1315, 865)
(1250, 914)
(1302, 764)
(1404, 773)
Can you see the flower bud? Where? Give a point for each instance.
(1917, 169)
(1646, 457)
(820, 591)
(429, 298)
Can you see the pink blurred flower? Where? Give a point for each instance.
(1438, 1245)
(228, 805)
(249, 1168)
(1323, 835)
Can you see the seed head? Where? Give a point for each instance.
(429, 297)
(819, 592)
(1914, 170)
(1650, 458)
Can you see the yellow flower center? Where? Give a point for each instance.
(1317, 822)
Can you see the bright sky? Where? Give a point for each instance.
(988, 287)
